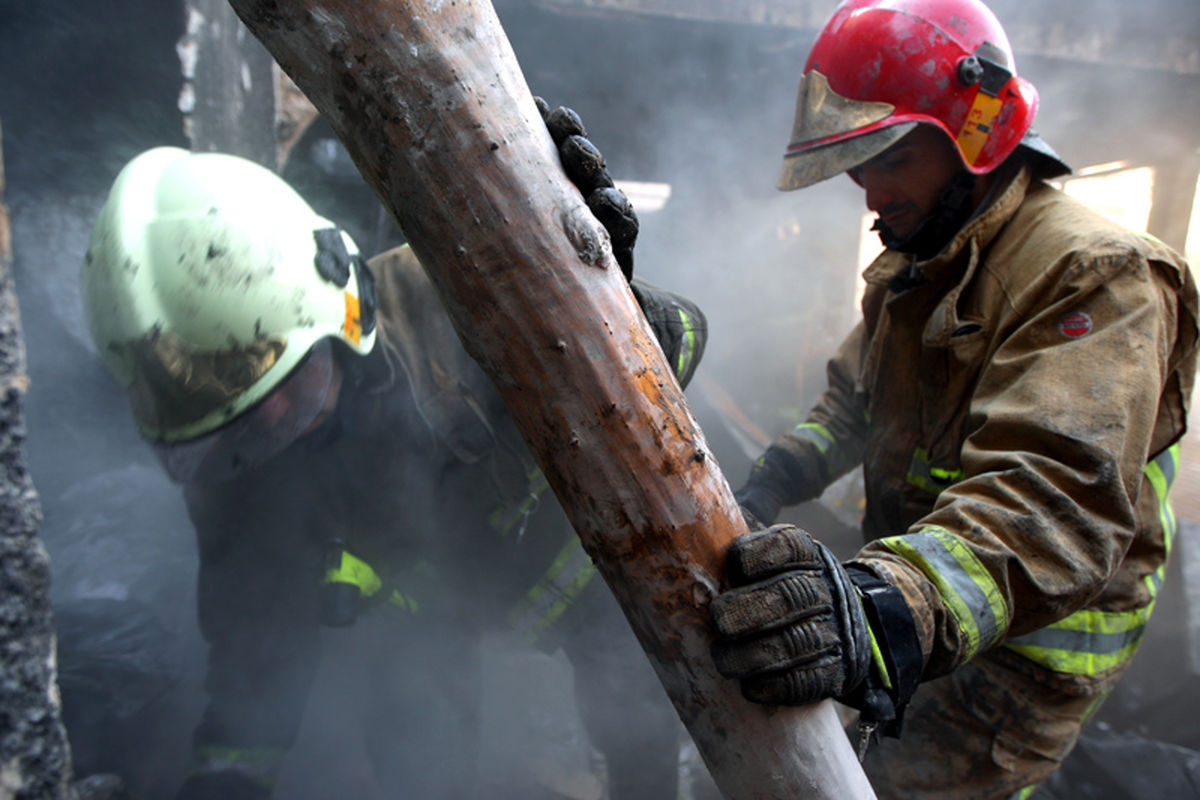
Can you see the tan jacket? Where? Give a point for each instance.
(1005, 410)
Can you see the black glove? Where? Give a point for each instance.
(777, 479)
(798, 629)
(679, 325)
(762, 496)
(585, 167)
(222, 785)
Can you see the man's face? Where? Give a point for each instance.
(905, 182)
(310, 395)
(306, 399)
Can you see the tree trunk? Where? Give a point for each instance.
(428, 99)
(228, 97)
(35, 761)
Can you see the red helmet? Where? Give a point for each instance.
(880, 67)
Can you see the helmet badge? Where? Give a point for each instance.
(333, 262)
(986, 69)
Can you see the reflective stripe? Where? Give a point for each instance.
(259, 764)
(1086, 643)
(404, 602)
(928, 477)
(562, 581)
(880, 661)
(554, 592)
(1023, 794)
(687, 350)
(1161, 473)
(502, 520)
(816, 433)
(837, 462)
(965, 586)
(1089, 642)
(355, 571)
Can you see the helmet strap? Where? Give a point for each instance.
(936, 230)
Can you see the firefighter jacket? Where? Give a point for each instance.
(420, 492)
(1016, 403)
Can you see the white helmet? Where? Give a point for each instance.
(208, 281)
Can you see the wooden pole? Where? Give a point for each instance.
(428, 99)
(35, 759)
(228, 97)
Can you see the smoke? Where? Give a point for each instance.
(704, 107)
(708, 108)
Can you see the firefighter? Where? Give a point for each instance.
(1015, 393)
(342, 456)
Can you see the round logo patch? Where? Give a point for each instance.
(1075, 325)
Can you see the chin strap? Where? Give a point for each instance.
(937, 229)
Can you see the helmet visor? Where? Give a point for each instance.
(824, 141)
(288, 412)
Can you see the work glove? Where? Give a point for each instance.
(585, 166)
(799, 627)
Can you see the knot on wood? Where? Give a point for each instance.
(586, 235)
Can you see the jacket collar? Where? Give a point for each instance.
(997, 209)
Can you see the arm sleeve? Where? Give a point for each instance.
(1062, 423)
(257, 595)
(799, 465)
(679, 325)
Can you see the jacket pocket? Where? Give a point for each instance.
(1031, 722)
(949, 373)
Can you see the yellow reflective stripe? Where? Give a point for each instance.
(1161, 473)
(404, 602)
(355, 571)
(552, 595)
(260, 764)
(876, 652)
(837, 461)
(502, 520)
(965, 586)
(247, 754)
(946, 475)
(581, 579)
(816, 433)
(928, 477)
(1090, 641)
(880, 663)
(1087, 642)
(687, 349)
(1023, 794)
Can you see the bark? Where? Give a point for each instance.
(428, 99)
(228, 97)
(35, 762)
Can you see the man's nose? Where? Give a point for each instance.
(274, 408)
(878, 195)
